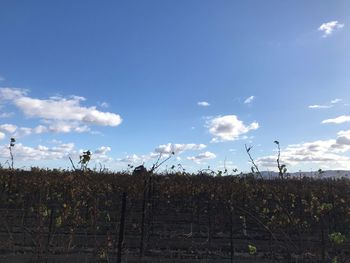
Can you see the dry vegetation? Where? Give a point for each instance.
(176, 217)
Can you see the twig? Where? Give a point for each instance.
(157, 164)
(70, 159)
(247, 149)
(279, 166)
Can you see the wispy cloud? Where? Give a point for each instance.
(336, 101)
(137, 159)
(6, 114)
(228, 128)
(104, 105)
(178, 148)
(203, 103)
(325, 106)
(317, 106)
(329, 27)
(338, 120)
(202, 157)
(249, 100)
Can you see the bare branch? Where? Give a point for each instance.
(247, 149)
(70, 159)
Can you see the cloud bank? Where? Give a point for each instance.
(323, 153)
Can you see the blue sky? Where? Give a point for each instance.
(132, 79)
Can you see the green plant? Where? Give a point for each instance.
(337, 238)
(252, 249)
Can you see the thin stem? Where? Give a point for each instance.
(247, 149)
(10, 148)
(70, 159)
(278, 161)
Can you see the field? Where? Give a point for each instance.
(87, 216)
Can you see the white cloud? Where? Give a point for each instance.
(59, 152)
(25, 153)
(59, 108)
(11, 93)
(336, 101)
(178, 148)
(163, 150)
(56, 127)
(249, 100)
(325, 153)
(137, 159)
(325, 106)
(101, 154)
(25, 131)
(229, 128)
(2, 135)
(8, 128)
(202, 157)
(317, 106)
(343, 138)
(66, 127)
(338, 120)
(329, 27)
(65, 110)
(132, 159)
(103, 150)
(203, 103)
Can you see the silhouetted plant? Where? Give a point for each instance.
(254, 168)
(85, 159)
(282, 169)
